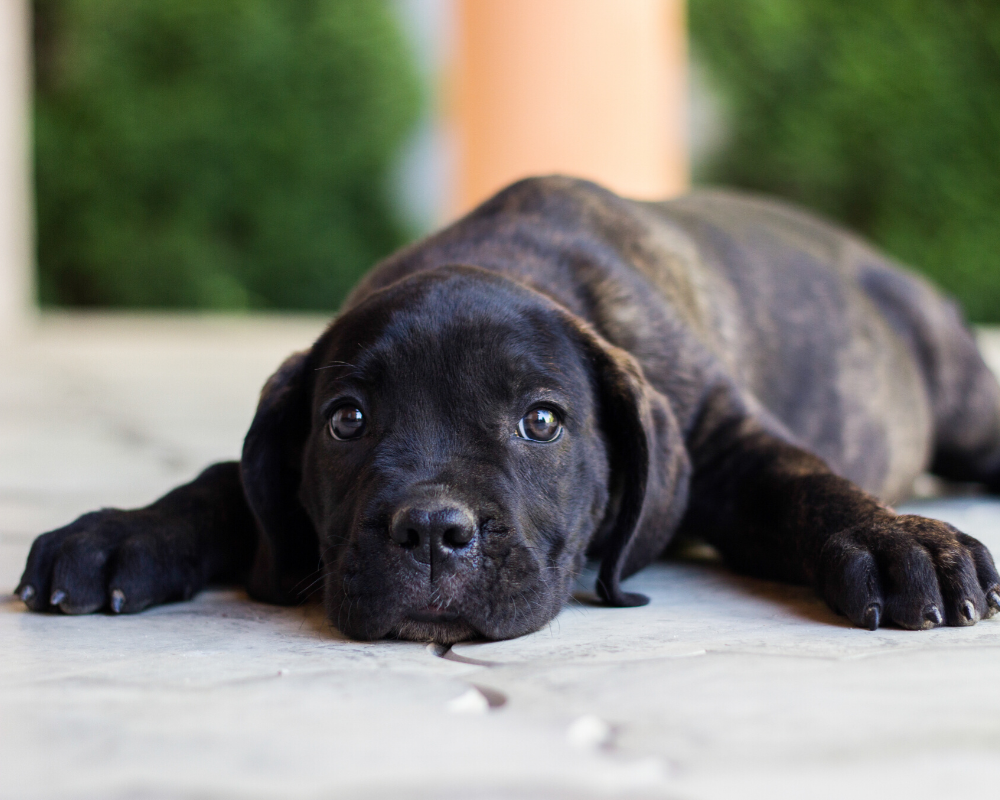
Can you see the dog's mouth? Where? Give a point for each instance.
(435, 624)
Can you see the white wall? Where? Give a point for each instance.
(16, 211)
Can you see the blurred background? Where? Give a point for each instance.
(262, 154)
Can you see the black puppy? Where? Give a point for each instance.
(566, 373)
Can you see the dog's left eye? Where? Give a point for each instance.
(347, 422)
(540, 425)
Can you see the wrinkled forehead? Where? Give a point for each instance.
(456, 339)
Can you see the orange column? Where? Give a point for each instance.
(591, 88)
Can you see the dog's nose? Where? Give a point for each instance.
(429, 530)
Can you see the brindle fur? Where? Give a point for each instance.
(734, 368)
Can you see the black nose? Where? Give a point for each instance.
(432, 529)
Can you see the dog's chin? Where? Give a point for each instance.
(440, 631)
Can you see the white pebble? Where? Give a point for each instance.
(588, 732)
(471, 702)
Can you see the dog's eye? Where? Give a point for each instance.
(347, 422)
(540, 425)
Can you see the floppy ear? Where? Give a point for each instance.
(271, 470)
(649, 462)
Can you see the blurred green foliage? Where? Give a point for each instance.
(216, 153)
(885, 115)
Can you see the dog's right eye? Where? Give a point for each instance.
(347, 422)
(540, 425)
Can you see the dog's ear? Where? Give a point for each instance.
(650, 466)
(271, 470)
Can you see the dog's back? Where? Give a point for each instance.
(865, 361)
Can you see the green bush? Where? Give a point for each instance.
(885, 115)
(215, 153)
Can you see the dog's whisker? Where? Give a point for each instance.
(305, 594)
(317, 571)
(335, 365)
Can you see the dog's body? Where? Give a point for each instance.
(719, 364)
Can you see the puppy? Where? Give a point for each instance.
(566, 374)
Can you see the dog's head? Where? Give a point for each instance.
(456, 443)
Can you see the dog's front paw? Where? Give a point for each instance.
(108, 559)
(911, 571)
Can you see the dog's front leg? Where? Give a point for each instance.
(128, 560)
(777, 511)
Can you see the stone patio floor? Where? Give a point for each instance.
(722, 687)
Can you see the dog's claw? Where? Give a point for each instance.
(932, 614)
(27, 593)
(117, 601)
(873, 616)
(969, 611)
(993, 598)
(57, 597)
